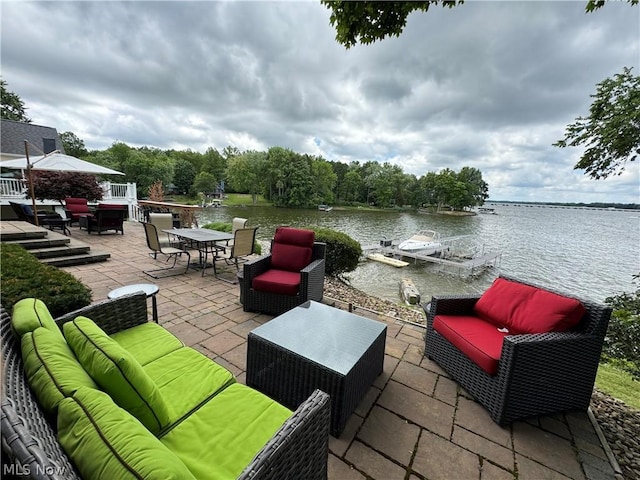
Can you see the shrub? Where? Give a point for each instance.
(227, 227)
(60, 185)
(23, 276)
(622, 342)
(343, 252)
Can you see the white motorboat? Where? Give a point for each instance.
(425, 241)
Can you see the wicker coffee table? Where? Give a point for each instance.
(317, 346)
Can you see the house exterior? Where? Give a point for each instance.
(41, 139)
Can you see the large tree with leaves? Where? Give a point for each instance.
(12, 107)
(369, 21)
(611, 132)
(73, 145)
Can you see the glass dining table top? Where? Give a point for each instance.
(200, 234)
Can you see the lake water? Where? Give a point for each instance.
(591, 253)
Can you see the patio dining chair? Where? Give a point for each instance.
(244, 240)
(153, 242)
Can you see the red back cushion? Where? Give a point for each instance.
(292, 249)
(77, 205)
(526, 309)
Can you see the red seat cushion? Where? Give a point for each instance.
(277, 281)
(292, 249)
(479, 340)
(526, 309)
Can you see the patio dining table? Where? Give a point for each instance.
(204, 240)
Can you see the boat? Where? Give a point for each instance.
(325, 208)
(487, 211)
(426, 242)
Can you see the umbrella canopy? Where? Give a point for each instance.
(59, 162)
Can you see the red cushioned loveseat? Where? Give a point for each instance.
(521, 350)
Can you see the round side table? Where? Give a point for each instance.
(148, 288)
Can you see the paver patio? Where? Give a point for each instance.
(414, 423)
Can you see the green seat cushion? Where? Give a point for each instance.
(117, 373)
(221, 438)
(51, 368)
(147, 342)
(104, 441)
(31, 313)
(187, 378)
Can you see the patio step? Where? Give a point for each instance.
(50, 247)
(71, 260)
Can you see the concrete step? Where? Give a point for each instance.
(60, 251)
(69, 261)
(50, 247)
(45, 242)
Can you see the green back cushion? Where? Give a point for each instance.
(31, 313)
(104, 441)
(147, 342)
(117, 373)
(53, 372)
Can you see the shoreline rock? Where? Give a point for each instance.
(345, 293)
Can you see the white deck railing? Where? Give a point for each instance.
(121, 193)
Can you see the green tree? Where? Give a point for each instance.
(11, 105)
(325, 181)
(477, 188)
(73, 145)
(245, 173)
(215, 164)
(184, 175)
(596, 4)
(205, 182)
(368, 21)
(352, 185)
(611, 132)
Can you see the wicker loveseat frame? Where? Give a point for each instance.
(311, 284)
(299, 449)
(538, 374)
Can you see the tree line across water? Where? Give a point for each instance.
(286, 178)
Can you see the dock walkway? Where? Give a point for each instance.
(469, 264)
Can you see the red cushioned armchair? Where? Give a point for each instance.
(521, 350)
(76, 208)
(290, 275)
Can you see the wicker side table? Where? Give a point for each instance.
(317, 346)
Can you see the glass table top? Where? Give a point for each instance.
(329, 336)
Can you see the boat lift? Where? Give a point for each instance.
(449, 257)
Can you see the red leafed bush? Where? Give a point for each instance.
(60, 185)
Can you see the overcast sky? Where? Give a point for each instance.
(489, 85)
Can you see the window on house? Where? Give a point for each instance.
(48, 144)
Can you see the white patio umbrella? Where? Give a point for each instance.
(54, 162)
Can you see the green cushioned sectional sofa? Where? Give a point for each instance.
(104, 393)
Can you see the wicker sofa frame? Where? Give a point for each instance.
(537, 374)
(299, 449)
(311, 285)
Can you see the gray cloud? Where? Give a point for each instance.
(487, 84)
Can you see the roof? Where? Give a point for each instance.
(41, 139)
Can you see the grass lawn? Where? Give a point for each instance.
(231, 200)
(237, 199)
(618, 384)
